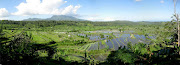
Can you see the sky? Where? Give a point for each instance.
(93, 10)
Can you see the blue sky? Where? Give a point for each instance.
(94, 10)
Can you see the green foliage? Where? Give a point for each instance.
(103, 42)
(132, 36)
(72, 48)
(139, 48)
(1, 29)
(122, 55)
(101, 35)
(17, 50)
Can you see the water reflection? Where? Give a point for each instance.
(121, 40)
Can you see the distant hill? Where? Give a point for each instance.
(123, 22)
(56, 18)
(32, 19)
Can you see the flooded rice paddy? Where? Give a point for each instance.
(120, 40)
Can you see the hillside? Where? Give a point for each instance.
(56, 18)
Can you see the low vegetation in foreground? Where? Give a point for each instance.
(86, 42)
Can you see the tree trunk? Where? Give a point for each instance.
(178, 28)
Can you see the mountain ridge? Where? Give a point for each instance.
(56, 18)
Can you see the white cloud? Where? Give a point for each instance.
(100, 18)
(109, 19)
(70, 9)
(129, 18)
(138, 0)
(3, 18)
(4, 12)
(162, 1)
(94, 19)
(91, 18)
(35, 7)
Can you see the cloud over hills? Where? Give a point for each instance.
(35, 7)
(38, 7)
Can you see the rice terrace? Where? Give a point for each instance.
(89, 32)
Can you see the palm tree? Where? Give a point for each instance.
(176, 17)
